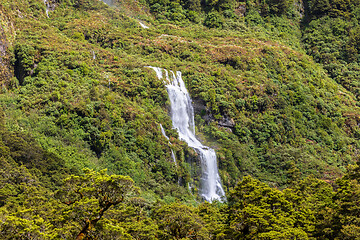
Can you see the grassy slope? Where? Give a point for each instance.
(105, 113)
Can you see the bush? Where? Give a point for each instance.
(213, 20)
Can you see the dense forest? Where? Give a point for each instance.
(275, 86)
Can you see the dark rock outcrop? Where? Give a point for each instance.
(241, 10)
(205, 113)
(226, 122)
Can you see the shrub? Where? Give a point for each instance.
(213, 20)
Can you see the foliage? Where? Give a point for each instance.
(98, 205)
(90, 196)
(275, 91)
(213, 20)
(86, 99)
(180, 222)
(259, 212)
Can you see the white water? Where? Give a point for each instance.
(172, 152)
(108, 2)
(163, 132)
(182, 116)
(143, 25)
(173, 156)
(47, 8)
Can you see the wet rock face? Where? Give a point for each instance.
(300, 7)
(226, 122)
(201, 109)
(205, 113)
(199, 106)
(241, 10)
(50, 5)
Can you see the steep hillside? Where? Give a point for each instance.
(274, 89)
(81, 89)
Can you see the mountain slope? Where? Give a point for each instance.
(81, 89)
(268, 97)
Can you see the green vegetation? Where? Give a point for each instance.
(332, 37)
(97, 205)
(276, 90)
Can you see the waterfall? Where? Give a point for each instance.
(173, 156)
(172, 152)
(182, 116)
(143, 25)
(163, 132)
(108, 2)
(47, 7)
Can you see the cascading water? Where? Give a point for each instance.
(143, 25)
(163, 132)
(182, 116)
(47, 8)
(108, 2)
(172, 152)
(93, 55)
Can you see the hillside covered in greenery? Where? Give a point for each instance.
(275, 89)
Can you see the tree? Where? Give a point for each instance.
(257, 211)
(177, 221)
(88, 197)
(313, 206)
(214, 216)
(346, 221)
